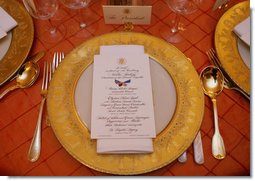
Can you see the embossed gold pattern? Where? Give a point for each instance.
(22, 39)
(168, 145)
(226, 45)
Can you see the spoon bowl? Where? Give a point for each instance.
(212, 80)
(27, 74)
(26, 77)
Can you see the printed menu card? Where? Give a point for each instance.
(122, 103)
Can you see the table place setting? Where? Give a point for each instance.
(76, 126)
(125, 98)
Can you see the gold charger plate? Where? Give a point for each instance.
(169, 143)
(22, 39)
(226, 45)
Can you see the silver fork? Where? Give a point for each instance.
(57, 58)
(228, 82)
(35, 147)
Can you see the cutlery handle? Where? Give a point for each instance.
(198, 149)
(35, 147)
(242, 92)
(218, 148)
(8, 90)
(183, 157)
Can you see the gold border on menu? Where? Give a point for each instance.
(22, 39)
(168, 145)
(226, 45)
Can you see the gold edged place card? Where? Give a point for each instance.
(127, 14)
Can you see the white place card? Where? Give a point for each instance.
(122, 105)
(127, 14)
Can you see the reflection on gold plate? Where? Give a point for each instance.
(22, 39)
(169, 143)
(226, 45)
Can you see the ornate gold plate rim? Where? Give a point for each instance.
(226, 45)
(168, 145)
(22, 40)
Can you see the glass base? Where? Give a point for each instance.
(83, 25)
(53, 35)
(173, 35)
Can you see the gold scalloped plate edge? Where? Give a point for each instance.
(22, 40)
(226, 45)
(168, 145)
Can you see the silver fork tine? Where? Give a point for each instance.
(54, 62)
(228, 82)
(57, 60)
(44, 75)
(212, 54)
(62, 56)
(47, 76)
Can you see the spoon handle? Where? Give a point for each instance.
(35, 147)
(8, 90)
(218, 148)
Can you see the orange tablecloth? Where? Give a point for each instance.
(19, 109)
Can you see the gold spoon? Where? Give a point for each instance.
(212, 80)
(26, 76)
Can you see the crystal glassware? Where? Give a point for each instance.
(180, 7)
(45, 10)
(77, 5)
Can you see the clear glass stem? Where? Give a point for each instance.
(52, 28)
(175, 27)
(82, 23)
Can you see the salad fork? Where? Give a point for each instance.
(228, 82)
(57, 59)
(35, 147)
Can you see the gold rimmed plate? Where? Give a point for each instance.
(16, 45)
(173, 138)
(229, 47)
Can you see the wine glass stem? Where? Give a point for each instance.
(175, 27)
(82, 23)
(52, 28)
